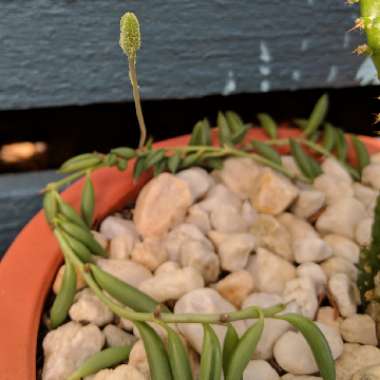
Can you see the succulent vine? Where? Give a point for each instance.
(318, 139)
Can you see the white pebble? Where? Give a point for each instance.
(329, 316)
(273, 328)
(370, 372)
(333, 188)
(270, 271)
(371, 176)
(183, 233)
(113, 226)
(315, 273)
(198, 180)
(239, 175)
(308, 203)
(227, 218)
(167, 266)
(161, 204)
(199, 218)
(355, 358)
(271, 234)
(88, 308)
(294, 355)
(297, 227)
(359, 328)
(310, 250)
(121, 246)
(260, 370)
(172, 285)
(248, 213)
(303, 292)
(116, 337)
(365, 194)
(234, 250)
(125, 270)
(289, 376)
(121, 372)
(138, 359)
(274, 193)
(199, 255)
(344, 293)
(333, 167)
(67, 347)
(343, 247)
(150, 253)
(339, 265)
(235, 287)
(342, 217)
(290, 164)
(220, 195)
(204, 300)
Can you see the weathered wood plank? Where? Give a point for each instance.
(20, 199)
(66, 52)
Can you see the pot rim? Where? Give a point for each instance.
(23, 291)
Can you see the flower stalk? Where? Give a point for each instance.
(130, 43)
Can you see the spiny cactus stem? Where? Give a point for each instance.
(370, 16)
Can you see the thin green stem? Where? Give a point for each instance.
(124, 312)
(70, 178)
(261, 160)
(230, 151)
(278, 142)
(316, 147)
(136, 97)
(64, 181)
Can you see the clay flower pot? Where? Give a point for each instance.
(28, 269)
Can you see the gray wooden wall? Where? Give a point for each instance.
(65, 52)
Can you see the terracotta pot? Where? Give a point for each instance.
(28, 269)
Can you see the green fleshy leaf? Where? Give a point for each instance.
(268, 124)
(317, 115)
(316, 341)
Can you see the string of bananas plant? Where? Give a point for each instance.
(79, 248)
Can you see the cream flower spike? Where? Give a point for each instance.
(130, 37)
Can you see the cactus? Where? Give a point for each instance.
(369, 264)
(369, 20)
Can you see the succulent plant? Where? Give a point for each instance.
(79, 247)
